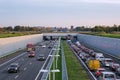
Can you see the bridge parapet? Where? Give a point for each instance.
(59, 34)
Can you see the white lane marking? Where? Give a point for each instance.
(16, 76)
(12, 59)
(25, 68)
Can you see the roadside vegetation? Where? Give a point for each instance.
(100, 30)
(74, 68)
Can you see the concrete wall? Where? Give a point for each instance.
(9, 45)
(109, 45)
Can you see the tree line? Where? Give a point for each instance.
(19, 28)
(24, 28)
(107, 29)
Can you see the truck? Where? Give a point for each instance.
(93, 64)
(30, 47)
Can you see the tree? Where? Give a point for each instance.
(17, 28)
(9, 28)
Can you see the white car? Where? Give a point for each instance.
(107, 61)
(107, 76)
(99, 56)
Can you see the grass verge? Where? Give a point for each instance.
(74, 68)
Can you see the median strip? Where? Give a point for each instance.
(74, 68)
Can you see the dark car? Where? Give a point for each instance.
(41, 57)
(31, 54)
(14, 67)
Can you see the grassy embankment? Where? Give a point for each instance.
(13, 34)
(74, 68)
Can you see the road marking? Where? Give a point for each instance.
(12, 59)
(16, 76)
(25, 68)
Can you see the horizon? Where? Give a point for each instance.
(59, 13)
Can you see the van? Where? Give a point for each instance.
(99, 56)
(93, 64)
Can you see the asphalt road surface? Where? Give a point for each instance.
(29, 67)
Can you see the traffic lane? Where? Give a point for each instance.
(19, 61)
(17, 58)
(32, 70)
(23, 60)
(4, 75)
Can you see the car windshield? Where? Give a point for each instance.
(109, 76)
(108, 61)
(101, 57)
(13, 65)
(101, 70)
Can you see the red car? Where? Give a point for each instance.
(98, 72)
(31, 54)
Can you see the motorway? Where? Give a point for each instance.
(116, 60)
(29, 67)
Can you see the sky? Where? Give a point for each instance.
(59, 13)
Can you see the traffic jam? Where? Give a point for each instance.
(103, 68)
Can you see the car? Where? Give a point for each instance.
(114, 66)
(49, 47)
(31, 54)
(98, 72)
(105, 75)
(118, 71)
(107, 61)
(99, 56)
(14, 67)
(43, 46)
(41, 57)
